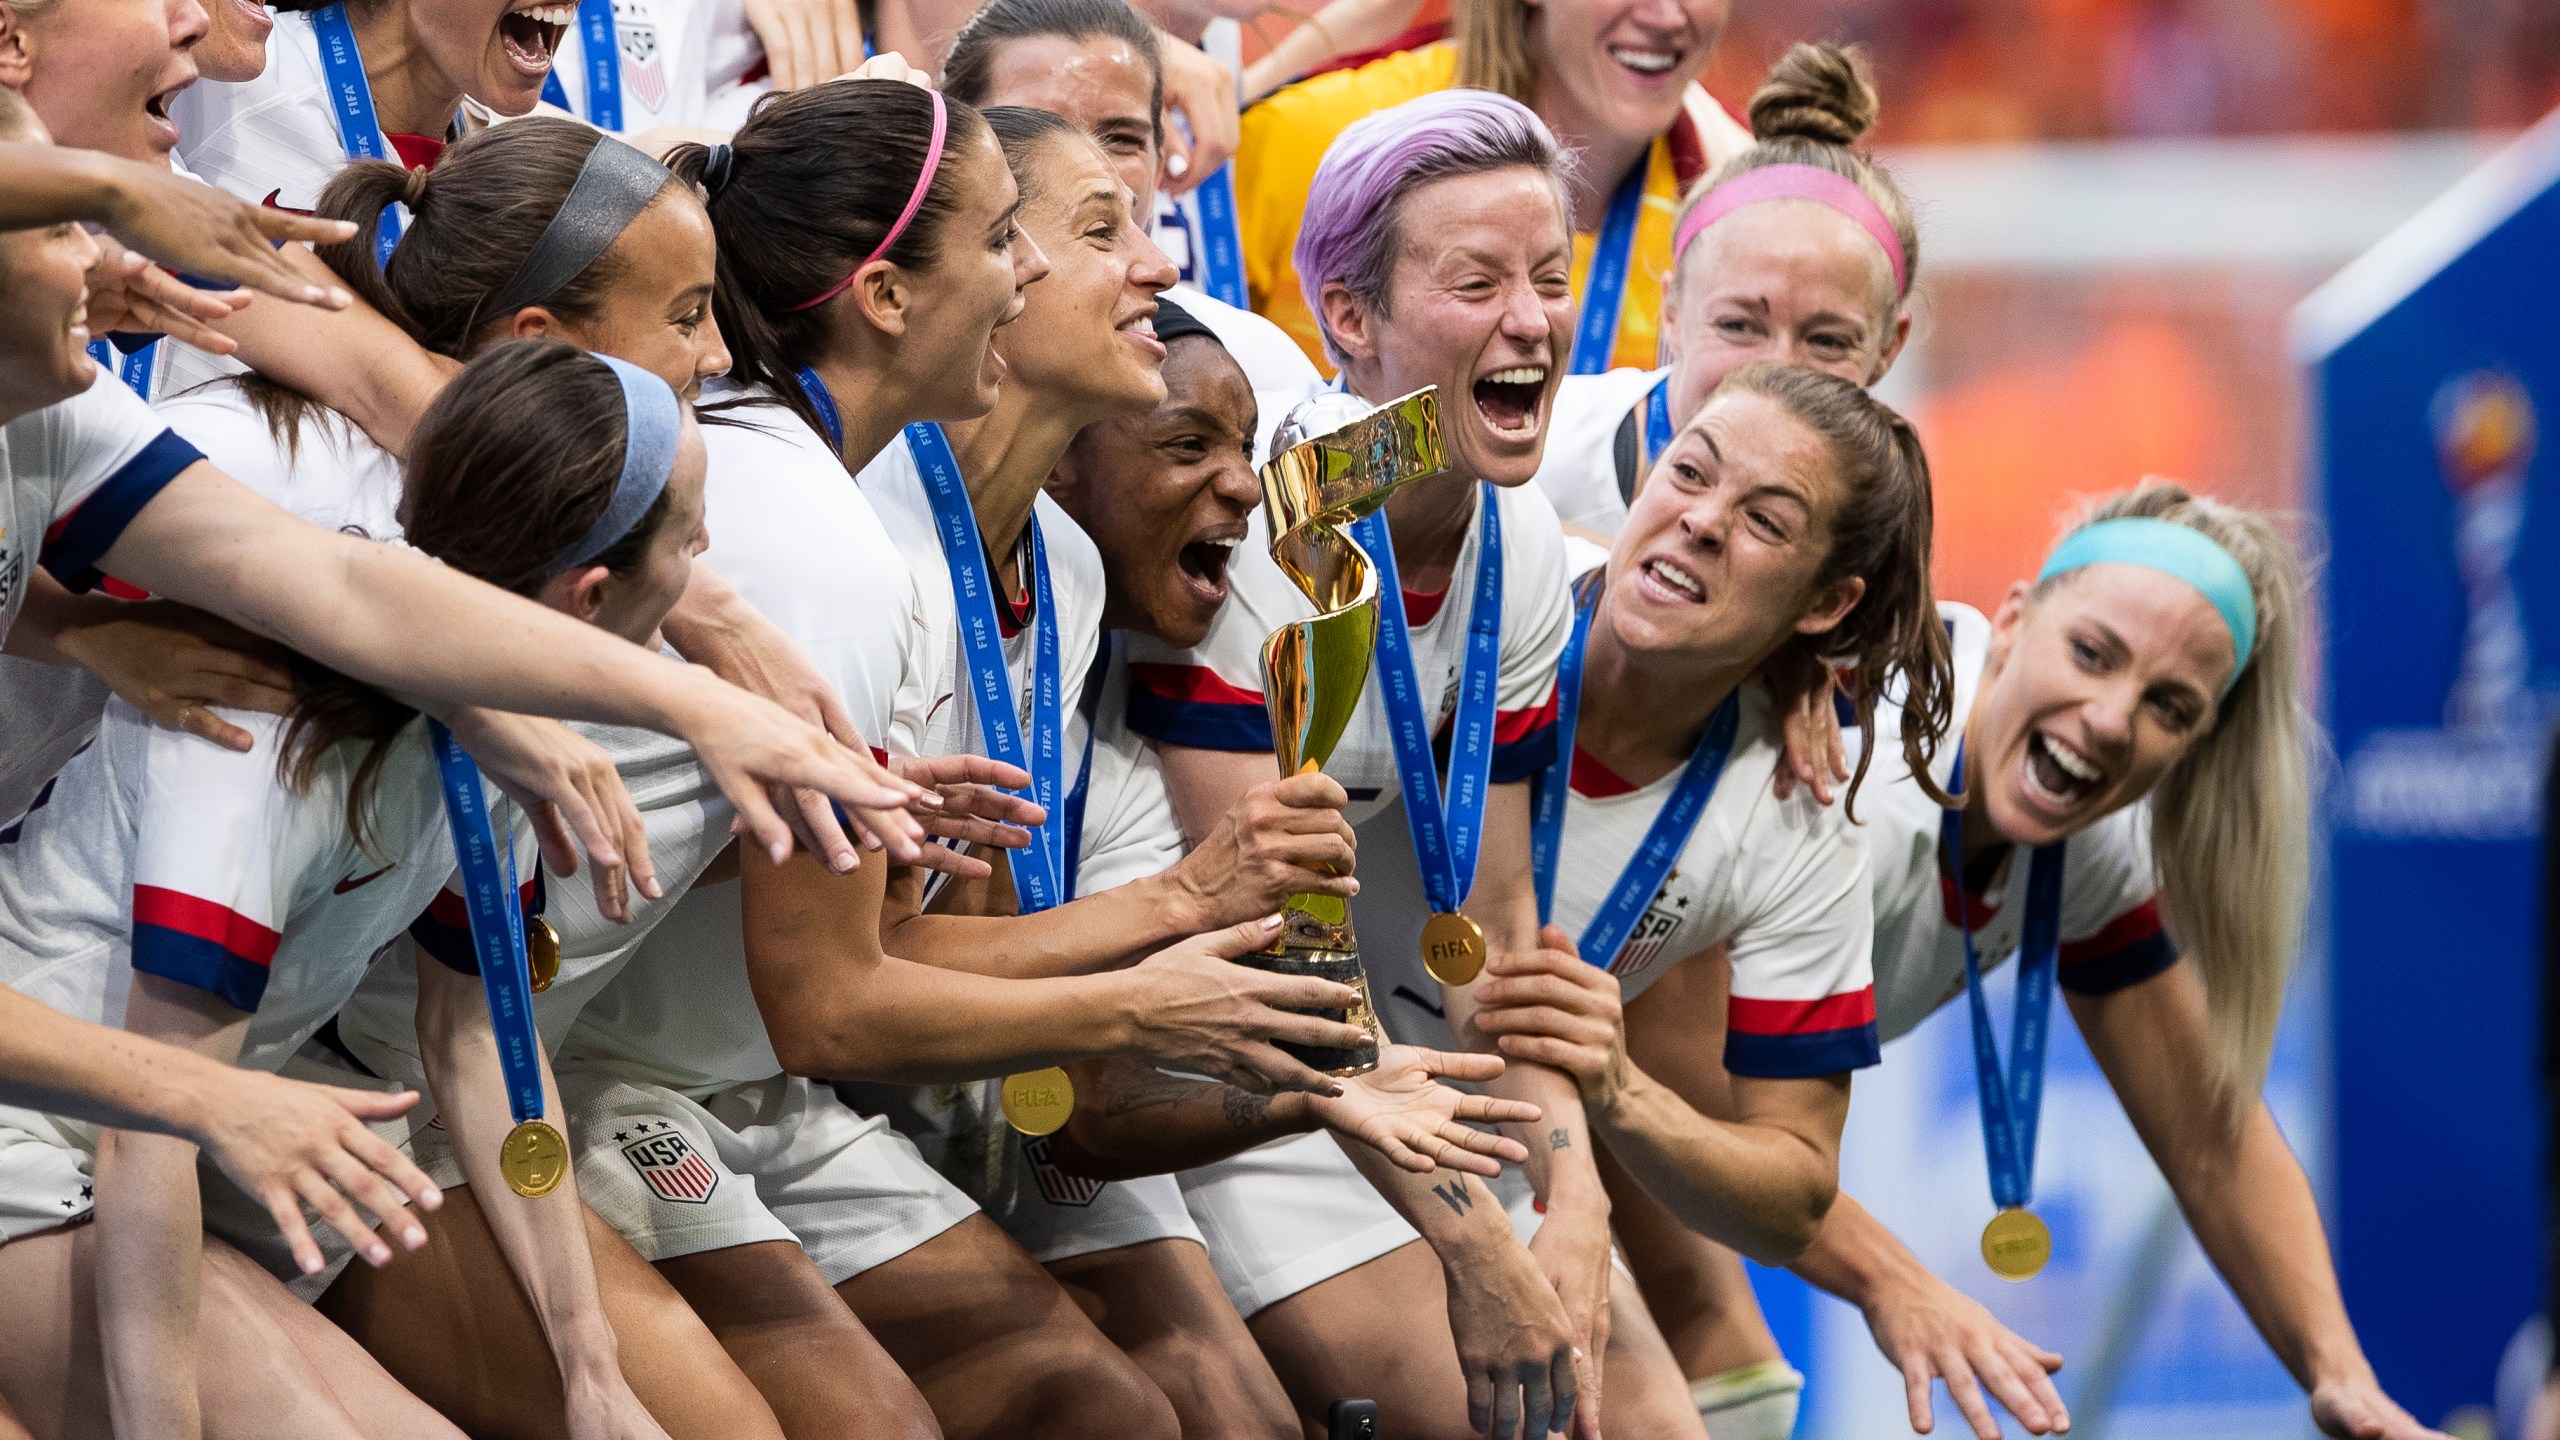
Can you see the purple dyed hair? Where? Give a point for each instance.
(1351, 232)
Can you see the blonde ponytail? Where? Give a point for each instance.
(2231, 820)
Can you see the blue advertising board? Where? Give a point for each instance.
(2431, 366)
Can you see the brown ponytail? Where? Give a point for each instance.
(810, 184)
(1893, 635)
(514, 461)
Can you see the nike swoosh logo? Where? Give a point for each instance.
(358, 882)
(270, 203)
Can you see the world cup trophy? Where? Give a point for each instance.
(1334, 460)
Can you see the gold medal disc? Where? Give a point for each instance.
(1038, 1102)
(541, 953)
(2016, 1244)
(533, 1159)
(1453, 949)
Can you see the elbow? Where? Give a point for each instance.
(1792, 1226)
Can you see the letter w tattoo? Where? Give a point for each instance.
(1456, 1195)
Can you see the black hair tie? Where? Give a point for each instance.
(716, 162)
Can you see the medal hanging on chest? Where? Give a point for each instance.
(1618, 913)
(1446, 838)
(1034, 1102)
(534, 1157)
(2016, 1243)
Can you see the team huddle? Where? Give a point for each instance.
(648, 800)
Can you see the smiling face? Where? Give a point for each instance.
(235, 45)
(1086, 342)
(1620, 66)
(1479, 303)
(657, 312)
(1166, 495)
(975, 285)
(1790, 282)
(1100, 85)
(105, 70)
(496, 51)
(1724, 547)
(2092, 689)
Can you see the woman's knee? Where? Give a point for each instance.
(1090, 1390)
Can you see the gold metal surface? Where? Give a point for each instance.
(2016, 1244)
(534, 1159)
(1038, 1102)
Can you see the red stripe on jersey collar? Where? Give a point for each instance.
(1420, 609)
(1596, 780)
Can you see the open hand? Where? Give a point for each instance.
(1402, 1111)
(177, 664)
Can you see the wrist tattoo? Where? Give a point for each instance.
(1456, 1195)
(1245, 1110)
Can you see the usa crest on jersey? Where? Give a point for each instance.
(669, 1165)
(1056, 1185)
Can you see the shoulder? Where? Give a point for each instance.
(78, 442)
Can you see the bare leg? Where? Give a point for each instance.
(818, 1369)
(1380, 1332)
(1161, 1303)
(454, 1326)
(272, 1368)
(999, 1349)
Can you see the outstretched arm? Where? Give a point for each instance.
(2242, 1191)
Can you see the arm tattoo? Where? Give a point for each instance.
(1245, 1109)
(1456, 1195)
(1560, 1139)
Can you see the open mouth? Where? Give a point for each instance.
(1142, 328)
(1647, 61)
(1204, 562)
(1670, 583)
(2057, 774)
(1508, 400)
(157, 109)
(532, 37)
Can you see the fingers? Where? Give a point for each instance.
(954, 863)
(284, 1205)
(1309, 1030)
(818, 824)
(1484, 1142)
(1507, 1403)
(1311, 790)
(1462, 1065)
(1299, 992)
(565, 830)
(373, 1104)
(1447, 1154)
(1915, 1392)
(954, 770)
(1566, 1391)
(2010, 1389)
(1549, 1051)
(2029, 1373)
(1494, 1110)
(968, 830)
(1479, 1400)
(282, 225)
(761, 823)
(199, 721)
(1967, 1393)
(1278, 1071)
(1252, 935)
(325, 1200)
(365, 1186)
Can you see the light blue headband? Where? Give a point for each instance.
(652, 420)
(2172, 549)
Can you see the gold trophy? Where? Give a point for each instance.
(1334, 460)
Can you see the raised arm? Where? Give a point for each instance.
(181, 223)
(545, 1238)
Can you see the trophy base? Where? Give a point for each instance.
(1344, 967)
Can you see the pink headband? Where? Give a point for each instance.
(1794, 182)
(915, 202)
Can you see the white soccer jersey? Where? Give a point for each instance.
(1129, 828)
(1596, 446)
(72, 476)
(1210, 697)
(681, 62)
(935, 713)
(665, 998)
(170, 855)
(2111, 931)
(273, 140)
(330, 472)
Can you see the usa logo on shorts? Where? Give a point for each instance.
(1056, 1185)
(669, 1164)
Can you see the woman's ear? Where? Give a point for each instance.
(577, 593)
(532, 323)
(17, 49)
(880, 291)
(1347, 318)
(1832, 606)
(1892, 346)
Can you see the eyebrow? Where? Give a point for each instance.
(1007, 217)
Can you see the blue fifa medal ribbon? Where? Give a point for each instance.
(1220, 240)
(1445, 840)
(1658, 430)
(824, 402)
(351, 102)
(1617, 915)
(1604, 290)
(1090, 702)
(2010, 1100)
(497, 928)
(134, 368)
(603, 54)
(1039, 874)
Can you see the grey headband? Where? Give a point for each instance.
(652, 423)
(613, 187)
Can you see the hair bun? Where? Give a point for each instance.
(413, 188)
(1820, 92)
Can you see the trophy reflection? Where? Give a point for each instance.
(1334, 460)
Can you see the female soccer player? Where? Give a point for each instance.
(1614, 82)
(335, 838)
(1165, 495)
(2130, 719)
(1819, 280)
(1474, 300)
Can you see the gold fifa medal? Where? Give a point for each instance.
(2016, 1244)
(1453, 948)
(541, 953)
(534, 1158)
(1038, 1102)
